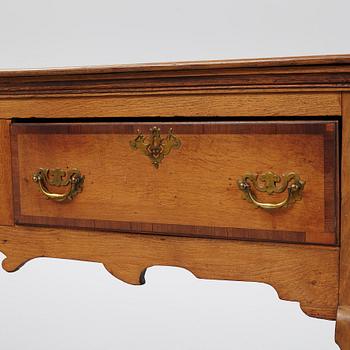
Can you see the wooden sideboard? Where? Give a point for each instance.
(235, 170)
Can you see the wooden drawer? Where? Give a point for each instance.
(195, 190)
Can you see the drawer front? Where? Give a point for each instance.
(198, 180)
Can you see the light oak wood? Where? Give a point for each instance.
(194, 192)
(202, 105)
(345, 205)
(6, 201)
(278, 89)
(343, 318)
(307, 274)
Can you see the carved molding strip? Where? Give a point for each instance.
(332, 72)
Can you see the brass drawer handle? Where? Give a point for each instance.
(154, 146)
(272, 183)
(58, 177)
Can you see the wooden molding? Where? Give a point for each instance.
(318, 72)
(304, 273)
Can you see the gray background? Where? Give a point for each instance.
(57, 304)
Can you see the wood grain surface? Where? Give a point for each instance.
(202, 104)
(343, 317)
(194, 192)
(331, 72)
(343, 327)
(292, 87)
(6, 200)
(307, 274)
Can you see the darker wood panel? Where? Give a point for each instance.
(166, 229)
(15, 175)
(331, 187)
(6, 200)
(215, 127)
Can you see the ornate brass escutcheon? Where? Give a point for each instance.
(271, 183)
(58, 177)
(154, 146)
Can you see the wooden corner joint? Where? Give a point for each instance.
(306, 274)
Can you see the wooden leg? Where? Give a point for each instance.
(342, 333)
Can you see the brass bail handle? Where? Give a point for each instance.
(271, 183)
(57, 177)
(154, 146)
